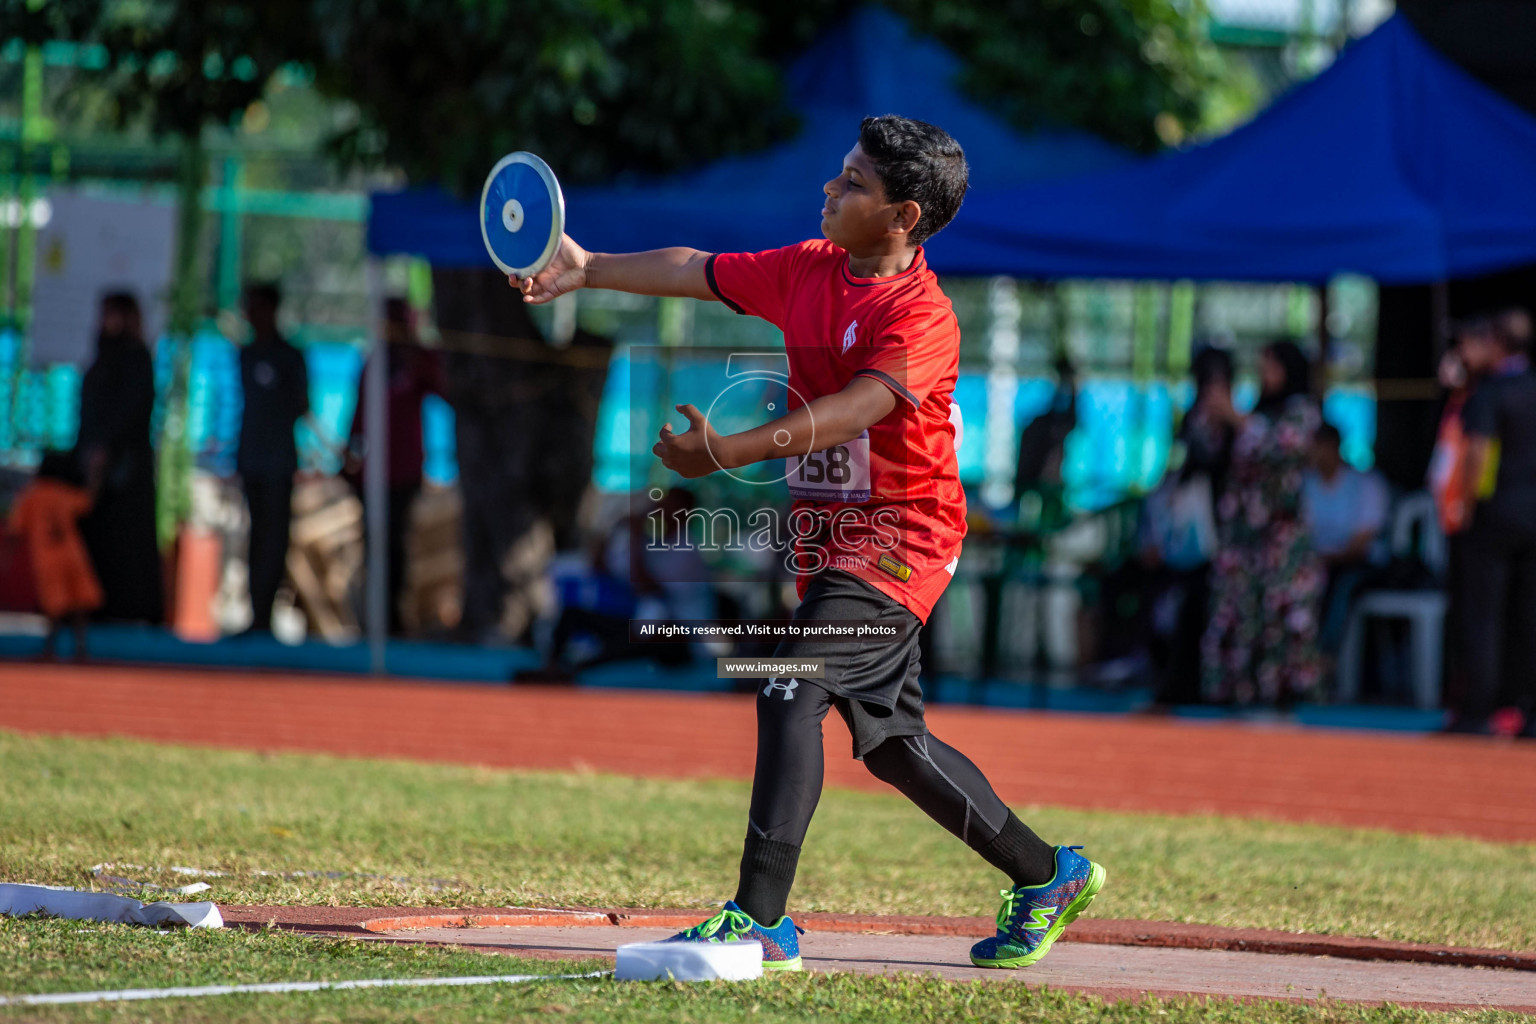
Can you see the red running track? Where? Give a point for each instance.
(1446, 785)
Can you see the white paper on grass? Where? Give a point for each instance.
(57, 901)
(689, 961)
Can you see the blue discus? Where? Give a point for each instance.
(522, 214)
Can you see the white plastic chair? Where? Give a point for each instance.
(1414, 515)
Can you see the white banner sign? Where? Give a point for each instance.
(93, 244)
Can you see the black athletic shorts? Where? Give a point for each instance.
(873, 682)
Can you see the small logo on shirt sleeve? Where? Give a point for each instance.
(850, 336)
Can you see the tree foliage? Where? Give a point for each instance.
(174, 66)
(598, 87)
(603, 87)
(1135, 72)
(441, 88)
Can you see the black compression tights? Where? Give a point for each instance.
(786, 787)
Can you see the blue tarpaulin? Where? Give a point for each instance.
(1393, 163)
(870, 64)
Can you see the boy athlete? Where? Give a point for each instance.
(874, 348)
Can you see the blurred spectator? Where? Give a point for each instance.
(1207, 436)
(276, 386)
(47, 515)
(1447, 483)
(117, 461)
(414, 374)
(1345, 511)
(1498, 580)
(646, 568)
(1180, 531)
(1042, 444)
(671, 578)
(1042, 449)
(1447, 465)
(1261, 644)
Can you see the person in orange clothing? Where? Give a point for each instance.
(47, 514)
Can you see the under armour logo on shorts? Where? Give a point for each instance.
(787, 687)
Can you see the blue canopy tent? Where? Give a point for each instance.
(1393, 163)
(871, 63)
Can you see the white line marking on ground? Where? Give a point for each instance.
(130, 994)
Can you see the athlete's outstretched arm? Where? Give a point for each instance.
(820, 424)
(668, 272)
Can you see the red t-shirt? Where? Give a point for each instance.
(888, 507)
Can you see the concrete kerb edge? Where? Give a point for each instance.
(382, 921)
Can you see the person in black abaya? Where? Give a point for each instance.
(117, 397)
(275, 384)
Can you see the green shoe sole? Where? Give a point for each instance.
(1096, 878)
(782, 965)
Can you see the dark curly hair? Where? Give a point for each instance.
(1298, 377)
(917, 161)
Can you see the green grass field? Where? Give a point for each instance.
(450, 835)
(46, 956)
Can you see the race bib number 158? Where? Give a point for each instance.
(840, 473)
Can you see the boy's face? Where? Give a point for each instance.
(856, 215)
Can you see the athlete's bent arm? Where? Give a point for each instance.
(675, 273)
(820, 424)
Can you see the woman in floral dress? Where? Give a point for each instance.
(1266, 582)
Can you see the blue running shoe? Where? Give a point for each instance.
(781, 941)
(1033, 917)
